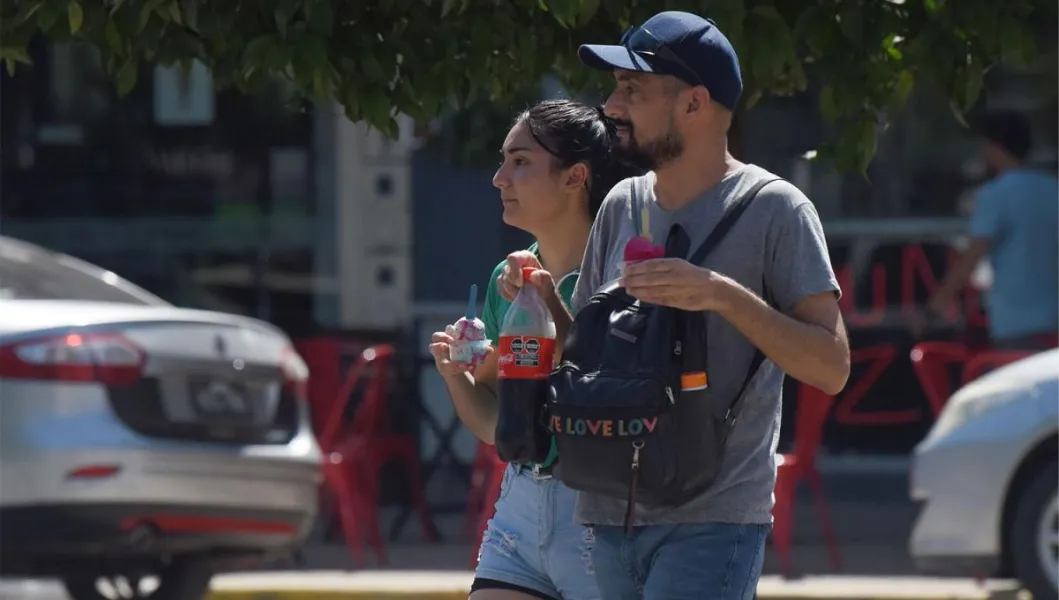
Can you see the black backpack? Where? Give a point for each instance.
(623, 426)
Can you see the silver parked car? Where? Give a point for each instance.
(988, 477)
(140, 441)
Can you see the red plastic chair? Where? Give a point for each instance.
(480, 471)
(491, 493)
(324, 356)
(932, 363)
(340, 479)
(355, 460)
(813, 409)
(986, 361)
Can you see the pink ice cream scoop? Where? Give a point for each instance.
(640, 248)
(472, 329)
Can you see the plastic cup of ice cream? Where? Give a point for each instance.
(470, 352)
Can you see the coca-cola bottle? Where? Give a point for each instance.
(527, 351)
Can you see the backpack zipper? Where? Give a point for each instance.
(616, 374)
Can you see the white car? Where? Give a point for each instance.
(140, 441)
(987, 476)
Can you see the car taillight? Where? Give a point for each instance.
(97, 357)
(295, 374)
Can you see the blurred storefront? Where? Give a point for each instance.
(210, 198)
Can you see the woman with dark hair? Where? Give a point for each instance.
(560, 160)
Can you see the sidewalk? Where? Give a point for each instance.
(452, 585)
(448, 585)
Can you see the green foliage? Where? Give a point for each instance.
(421, 56)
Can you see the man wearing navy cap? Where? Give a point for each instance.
(678, 82)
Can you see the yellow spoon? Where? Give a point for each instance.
(645, 223)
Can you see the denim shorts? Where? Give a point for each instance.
(692, 561)
(533, 541)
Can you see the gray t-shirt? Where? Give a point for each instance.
(778, 241)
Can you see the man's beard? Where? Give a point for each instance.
(652, 154)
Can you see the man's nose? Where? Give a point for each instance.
(614, 107)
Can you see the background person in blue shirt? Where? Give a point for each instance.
(1015, 223)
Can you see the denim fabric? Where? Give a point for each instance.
(534, 542)
(719, 561)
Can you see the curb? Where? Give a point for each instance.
(456, 586)
(308, 594)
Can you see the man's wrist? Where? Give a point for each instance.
(721, 293)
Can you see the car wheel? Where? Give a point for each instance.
(1035, 535)
(180, 580)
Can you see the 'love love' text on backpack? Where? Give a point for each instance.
(625, 425)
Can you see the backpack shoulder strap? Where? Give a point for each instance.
(755, 365)
(731, 215)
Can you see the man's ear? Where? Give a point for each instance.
(698, 100)
(577, 176)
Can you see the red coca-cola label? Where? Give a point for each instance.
(525, 357)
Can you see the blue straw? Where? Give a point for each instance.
(472, 302)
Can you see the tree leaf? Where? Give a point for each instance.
(127, 77)
(258, 48)
(191, 14)
(426, 57)
(376, 109)
(174, 13)
(148, 9)
(828, 106)
(957, 113)
(145, 17)
(12, 55)
(114, 39)
(321, 18)
(588, 11)
(282, 18)
(851, 22)
(117, 4)
(754, 98)
(26, 10)
(902, 88)
(48, 16)
(973, 78)
(372, 68)
(867, 144)
(75, 15)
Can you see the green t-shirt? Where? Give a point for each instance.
(496, 307)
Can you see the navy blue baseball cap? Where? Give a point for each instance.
(675, 43)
